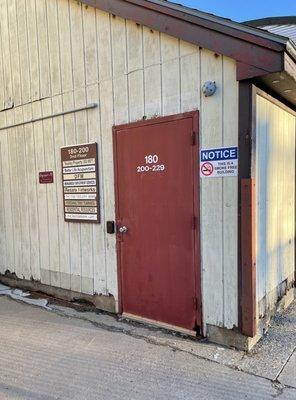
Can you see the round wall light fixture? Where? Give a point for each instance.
(209, 88)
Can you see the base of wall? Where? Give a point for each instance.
(281, 305)
(215, 334)
(269, 304)
(232, 338)
(105, 303)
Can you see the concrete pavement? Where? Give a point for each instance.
(64, 354)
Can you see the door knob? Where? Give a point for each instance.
(123, 229)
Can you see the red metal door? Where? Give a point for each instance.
(157, 219)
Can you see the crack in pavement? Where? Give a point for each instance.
(283, 367)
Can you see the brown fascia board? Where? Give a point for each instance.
(255, 55)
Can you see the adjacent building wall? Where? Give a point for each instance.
(275, 181)
(56, 55)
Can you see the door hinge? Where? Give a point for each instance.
(194, 222)
(195, 303)
(193, 138)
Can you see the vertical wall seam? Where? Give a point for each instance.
(4, 208)
(180, 76)
(27, 194)
(2, 69)
(48, 49)
(102, 188)
(127, 71)
(28, 49)
(161, 72)
(46, 189)
(223, 197)
(38, 51)
(36, 193)
(143, 72)
(113, 112)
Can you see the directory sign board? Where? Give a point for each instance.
(80, 183)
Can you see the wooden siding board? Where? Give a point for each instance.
(109, 206)
(65, 46)
(41, 195)
(190, 85)
(261, 124)
(23, 51)
(49, 159)
(22, 182)
(230, 197)
(43, 49)
(74, 229)
(2, 83)
(6, 55)
(170, 75)
(3, 170)
(13, 165)
(134, 34)
(120, 114)
(152, 89)
(211, 196)
(119, 47)
(99, 231)
(151, 47)
(90, 45)
(119, 68)
(54, 46)
(32, 182)
(33, 49)
(8, 199)
(103, 26)
(135, 71)
(63, 229)
(86, 232)
(15, 53)
(77, 45)
(152, 73)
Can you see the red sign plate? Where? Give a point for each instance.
(46, 177)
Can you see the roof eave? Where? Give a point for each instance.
(257, 52)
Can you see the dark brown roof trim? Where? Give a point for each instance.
(256, 54)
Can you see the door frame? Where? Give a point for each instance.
(194, 115)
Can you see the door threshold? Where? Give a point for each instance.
(158, 324)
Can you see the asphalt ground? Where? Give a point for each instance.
(60, 353)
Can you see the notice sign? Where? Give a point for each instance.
(80, 183)
(221, 162)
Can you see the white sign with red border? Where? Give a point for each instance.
(218, 163)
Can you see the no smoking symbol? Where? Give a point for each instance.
(207, 169)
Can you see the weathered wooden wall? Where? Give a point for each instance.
(275, 181)
(60, 55)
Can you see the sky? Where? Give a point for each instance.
(243, 10)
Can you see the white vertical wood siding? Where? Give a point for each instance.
(60, 55)
(275, 181)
